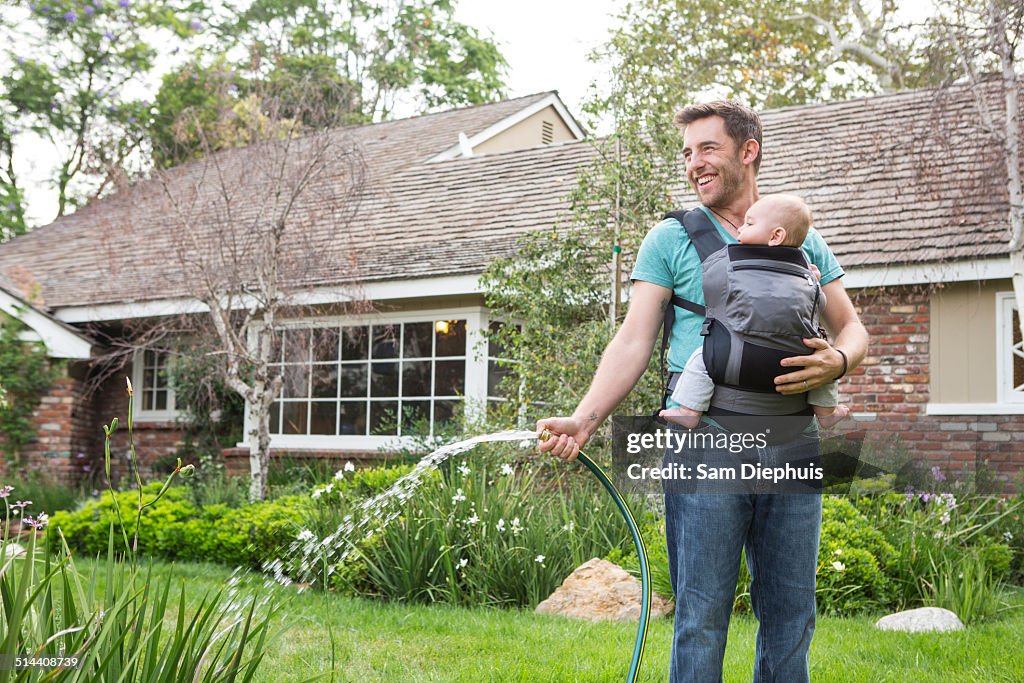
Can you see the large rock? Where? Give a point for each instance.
(599, 590)
(920, 620)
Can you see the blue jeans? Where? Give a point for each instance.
(779, 533)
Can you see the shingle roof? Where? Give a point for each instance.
(901, 178)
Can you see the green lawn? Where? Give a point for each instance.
(391, 642)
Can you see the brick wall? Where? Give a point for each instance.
(893, 384)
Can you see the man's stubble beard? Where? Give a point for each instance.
(731, 178)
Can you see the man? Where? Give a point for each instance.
(706, 532)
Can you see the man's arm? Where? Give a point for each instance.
(826, 364)
(622, 364)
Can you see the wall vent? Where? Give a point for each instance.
(547, 132)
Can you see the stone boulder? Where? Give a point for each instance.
(599, 590)
(921, 620)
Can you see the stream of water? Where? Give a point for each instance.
(310, 554)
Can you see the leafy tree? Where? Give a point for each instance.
(72, 68)
(372, 53)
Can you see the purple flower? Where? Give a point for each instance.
(46, 8)
(79, 455)
(5, 491)
(124, 3)
(22, 504)
(195, 77)
(95, 492)
(937, 474)
(70, 16)
(87, 468)
(131, 119)
(20, 60)
(108, 35)
(89, 10)
(97, 3)
(11, 206)
(196, 25)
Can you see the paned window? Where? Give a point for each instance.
(381, 379)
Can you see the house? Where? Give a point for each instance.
(906, 195)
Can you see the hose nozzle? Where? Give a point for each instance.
(545, 435)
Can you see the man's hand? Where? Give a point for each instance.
(820, 368)
(567, 437)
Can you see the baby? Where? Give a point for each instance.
(774, 220)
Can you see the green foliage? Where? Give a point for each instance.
(652, 528)
(854, 561)
(476, 532)
(938, 536)
(117, 633)
(174, 528)
(375, 52)
(44, 493)
(25, 374)
(71, 63)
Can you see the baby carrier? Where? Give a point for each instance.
(760, 303)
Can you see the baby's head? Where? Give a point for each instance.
(776, 220)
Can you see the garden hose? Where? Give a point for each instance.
(641, 553)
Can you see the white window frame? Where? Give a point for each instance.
(474, 399)
(170, 413)
(1006, 303)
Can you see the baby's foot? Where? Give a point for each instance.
(828, 417)
(681, 416)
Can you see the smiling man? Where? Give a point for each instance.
(706, 532)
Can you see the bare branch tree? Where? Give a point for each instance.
(253, 227)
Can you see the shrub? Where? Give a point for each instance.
(174, 528)
(472, 533)
(854, 561)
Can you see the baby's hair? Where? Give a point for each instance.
(794, 215)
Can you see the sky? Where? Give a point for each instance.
(545, 42)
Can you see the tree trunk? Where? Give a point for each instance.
(259, 443)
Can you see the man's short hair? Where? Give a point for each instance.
(741, 122)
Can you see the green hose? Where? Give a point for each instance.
(641, 553)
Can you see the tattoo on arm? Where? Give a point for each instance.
(592, 417)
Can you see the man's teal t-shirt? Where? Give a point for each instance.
(668, 258)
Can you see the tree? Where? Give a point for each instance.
(363, 57)
(372, 53)
(987, 35)
(72, 67)
(244, 221)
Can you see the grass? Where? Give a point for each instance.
(376, 641)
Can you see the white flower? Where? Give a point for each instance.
(306, 535)
(944, 519)
(464, 469)
(318, 492)
(539, 559)
(838, 566)
(501, 524)
(473, 519)
(458, 496)
(516, 526)
(340, 474)
(837, 551)
(569, 527)
(349, 467)
(463, 562)
(506, 470)
(1007, 536)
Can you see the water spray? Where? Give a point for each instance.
(641, 553)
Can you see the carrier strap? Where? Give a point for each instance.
(706, 240)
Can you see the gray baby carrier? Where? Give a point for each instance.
(761, 302)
